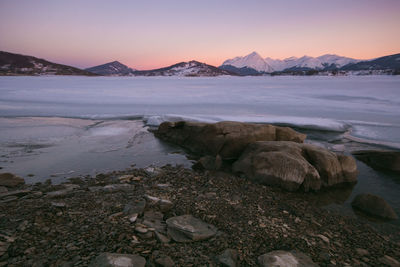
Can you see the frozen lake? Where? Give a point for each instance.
(59, 127)
(367, 105)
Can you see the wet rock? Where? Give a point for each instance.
(164, 261)
(228, 258)
(187, 228)
(380, 159)
(227, 139)
(208, 163)
(118, 260)
(280, 258)
(374, 205)
(10, 180)
(292, 166)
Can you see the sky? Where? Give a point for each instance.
(157, 33)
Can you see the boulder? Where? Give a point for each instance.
(380, 159)
(227, 139)
(280, 258)
(374, 205)
(118, 260)
(187, 228)
(10, 180)
(292, 165)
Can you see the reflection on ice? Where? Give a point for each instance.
(50, 147)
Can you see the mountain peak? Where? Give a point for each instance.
(252, 60)
(111, 68)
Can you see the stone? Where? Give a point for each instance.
(324, 238)
(228, 258)
(163, 205)
(380, 159)
(374, 205)
(58, 204)
(389, 261)
(293, 166)
(68, 189)
(227, 139)
(165, 261)
(10, 180)
(3, 189)
(280, 258)
(162, 238)
(118, 260)
(17, 193)
(187, 228)
(118, 187)
(126, 178)
(58, 193)
(135, 207)
(154, 219)
(362, 252)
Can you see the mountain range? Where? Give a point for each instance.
(269, 65)
(191, 68)
(252, 64)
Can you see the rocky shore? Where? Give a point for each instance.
(247, 203)
(173, 216)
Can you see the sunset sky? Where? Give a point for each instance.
(150, 34)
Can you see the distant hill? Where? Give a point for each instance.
(391, 63)
(188, 69)
(16, 64)
(244, 71)
(114, 68)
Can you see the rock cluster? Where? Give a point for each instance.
(227, 139)
(265, 153)
(292, 165)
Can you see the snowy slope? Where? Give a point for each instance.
(253, 60)
(16, 64)
(188, 69)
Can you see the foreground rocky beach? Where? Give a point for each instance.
(247, 204)
(128, 212)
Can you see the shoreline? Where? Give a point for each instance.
(73, 223)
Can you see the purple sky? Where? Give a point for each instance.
(149, 34)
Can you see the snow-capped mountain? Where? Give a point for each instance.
(114, 68)
(16, 64)
(253, 61)
(188, 69)
(256, 62)
(316, 63)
